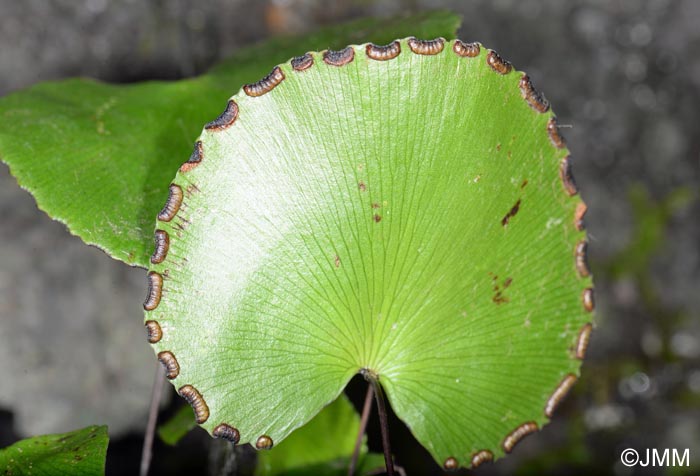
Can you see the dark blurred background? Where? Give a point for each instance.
(623, 75)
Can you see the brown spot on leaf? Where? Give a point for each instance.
(265, 85)
(302, 63)
(377, 218)
(532, 96)
(263, 442)
(383, 53)
(497, 63)
(225, 119)
(195, 399)
(339, 58)
(581, 252)
(579, 216)
(172, 204)
(336, 260)
(584, 336)
(468, 50)
(555, 136)
(451, 464)
(375, 205)
(511, 213)
(154, 332)
(499, 289)
(515, 436)
(426, 47)
(481, 457)
(361, 185)
(155, 288)
(172, 368)
(559, 394)
(567, 177)
(524, 184)
(588, 300)
(227, 432)
(162, 240)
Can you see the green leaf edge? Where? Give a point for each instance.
(58, 453)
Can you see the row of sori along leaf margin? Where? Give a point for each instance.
(468, 51)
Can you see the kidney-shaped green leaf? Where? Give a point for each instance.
(79, 453)
(98, 157)
(406, 209)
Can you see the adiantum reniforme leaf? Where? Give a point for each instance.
(408, 209)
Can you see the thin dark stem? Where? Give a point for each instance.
(147, 451)
(373, 379)
(384, 425)
(363, 426)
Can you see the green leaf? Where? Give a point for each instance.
(78, 453)
(326, 442)
(177, 426)
(414, 217)
(99, 157)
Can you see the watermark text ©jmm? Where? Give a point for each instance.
(656, 457)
